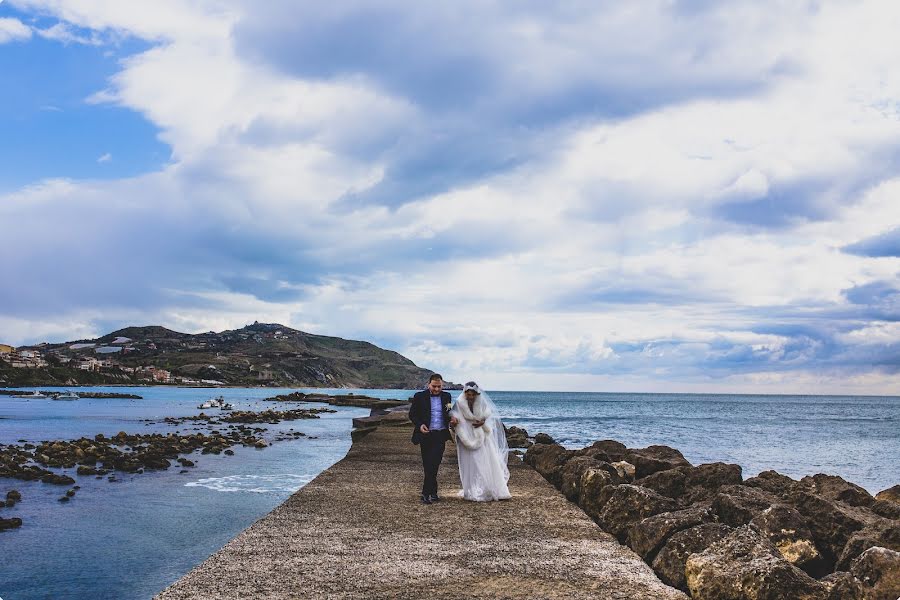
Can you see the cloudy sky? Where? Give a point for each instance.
(659, 195)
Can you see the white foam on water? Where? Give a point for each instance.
(282, 482)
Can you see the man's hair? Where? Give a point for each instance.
(434, 377)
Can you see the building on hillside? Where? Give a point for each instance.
(162, 376)
(89, 364)
(25, 359)
(7, 349)
(155, 373)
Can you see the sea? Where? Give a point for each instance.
(130, 538)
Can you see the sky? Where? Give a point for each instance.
(655, 196)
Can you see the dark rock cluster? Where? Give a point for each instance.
(134, 453)
(339, 400)
(517, 437)
(270, 416)
(706, 530)
(110, 395)
(12, 497)
(131, 453)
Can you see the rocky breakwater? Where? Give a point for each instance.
(357, 400)
(706, 530)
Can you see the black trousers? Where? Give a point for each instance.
(432, 447)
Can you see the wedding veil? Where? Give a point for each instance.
(494, 422)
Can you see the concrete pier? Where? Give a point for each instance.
(359, 531)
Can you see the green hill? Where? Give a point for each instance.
(259, 354)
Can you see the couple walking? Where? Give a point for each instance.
(481, 445)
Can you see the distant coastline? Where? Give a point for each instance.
(257, 355)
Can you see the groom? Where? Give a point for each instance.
(430, 414)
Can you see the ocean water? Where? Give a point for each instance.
(131, 538)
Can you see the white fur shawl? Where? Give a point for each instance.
(472, 437)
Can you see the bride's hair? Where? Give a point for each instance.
(471, 385)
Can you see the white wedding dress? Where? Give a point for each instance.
(482, 451)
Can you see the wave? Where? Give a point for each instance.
(260, 484)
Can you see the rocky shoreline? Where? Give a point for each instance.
(103, 456)
(15, 392)
(709, 532)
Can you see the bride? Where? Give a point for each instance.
(480, 446)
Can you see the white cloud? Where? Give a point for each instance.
(61, 32)
(12, 30)
(105, 157)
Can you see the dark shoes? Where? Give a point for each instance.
(434, 498)
(425, 499)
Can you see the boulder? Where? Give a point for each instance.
(879, 571)
(615, 451)
(57, 479)
(14, 495)
(626, 470)
(543, 438)
(886, 508)
(572, 472)
(83, 470)
(670, 560)
(830, 524)
(745, 565)
(548, 459)
(892, 494)
(10, 523)
(843, 586)
(787, 529)
(837, 489)
(595, 489)
(516, 437)
(772, 482)
(628, 504)
(648, 535)
(669, 483)
(884, 534)
(652, 459)
(703, 481)
(736, 505)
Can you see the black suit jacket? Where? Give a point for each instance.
(420, 414)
